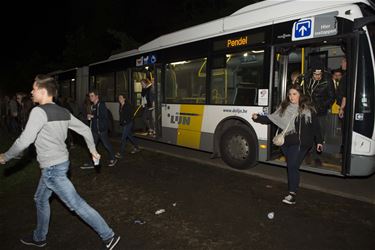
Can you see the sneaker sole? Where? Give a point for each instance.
(88, 167)
(115, 243)
(33, 244)
(289, 202)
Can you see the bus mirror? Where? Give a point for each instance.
(360, 22)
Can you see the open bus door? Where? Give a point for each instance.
(299, 59)
(146, 100)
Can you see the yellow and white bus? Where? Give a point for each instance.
(209, 79)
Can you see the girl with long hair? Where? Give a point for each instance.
(297, 117)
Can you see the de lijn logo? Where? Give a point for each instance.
(303, 29)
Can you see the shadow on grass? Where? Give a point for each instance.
(13, 168)
(17, 165)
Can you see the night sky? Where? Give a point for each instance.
(42, 36)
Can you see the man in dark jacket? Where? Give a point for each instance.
(319, 87)
(99, 123)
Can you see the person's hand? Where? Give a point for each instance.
(2, 159)
(96, 156)
(254, 116)
(341, 113)
(319, 147)
(89, 117)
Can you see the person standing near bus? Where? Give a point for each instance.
(47, 127)
(318, 86)
(126, 122)
(297, 116)
(148, 103)
(99, 123)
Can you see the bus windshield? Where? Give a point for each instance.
(371, 32)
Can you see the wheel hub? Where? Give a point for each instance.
(238, 147)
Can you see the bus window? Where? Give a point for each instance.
(105, 84)
(364, 107)
(371, 32)
(236, 78)
(185, 81)
(122, 83)
(64, 88)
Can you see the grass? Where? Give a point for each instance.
(16, 172)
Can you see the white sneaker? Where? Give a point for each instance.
(112, 163)
(135, 150)
(290, 199)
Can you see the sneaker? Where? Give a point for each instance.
(118, 155)
(290, 199)
(29, 240)
(112, 163)
(87, 166)
(135, 150)
(111, 243)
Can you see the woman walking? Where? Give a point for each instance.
(297, 117)
(126, 121)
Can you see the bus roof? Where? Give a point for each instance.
(252, 16)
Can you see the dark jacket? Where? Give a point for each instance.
(322, 92)
(310, 132)
(126, 113)
(100, 121)
(147, 92)
(340, 91)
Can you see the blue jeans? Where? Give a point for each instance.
(103, 137)
(127, 135)
(54, 179)
(294, 156)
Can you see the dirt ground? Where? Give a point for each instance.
(205, 208)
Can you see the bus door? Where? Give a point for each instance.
(145, 100)
(294, 64)
(157, 73)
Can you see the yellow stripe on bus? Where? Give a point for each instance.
(189, 127)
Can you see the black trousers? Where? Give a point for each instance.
(294, 155)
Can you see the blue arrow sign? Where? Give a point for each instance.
(303, 29)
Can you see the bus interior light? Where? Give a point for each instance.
(181, 62)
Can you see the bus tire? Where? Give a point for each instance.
(239, 147)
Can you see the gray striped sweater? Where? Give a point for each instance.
(47, 127)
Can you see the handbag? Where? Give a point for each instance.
(279, 138)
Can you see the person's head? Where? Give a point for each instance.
(94, 96)
(294, 76)
(317, 74)
(121, 98)
(337, 74)
(294, 93)
(343, 63)
(19, 97)
(44, 89)
(295, 96)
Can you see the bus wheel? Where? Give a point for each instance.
(238, 147)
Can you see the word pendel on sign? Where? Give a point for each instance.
(237, 42)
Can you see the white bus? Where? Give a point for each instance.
(209, 79)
